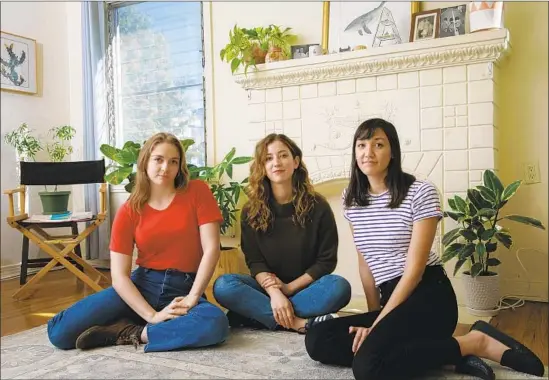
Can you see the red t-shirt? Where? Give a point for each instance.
(168, 238)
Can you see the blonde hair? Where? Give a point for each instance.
(259, 192)
(142, 189)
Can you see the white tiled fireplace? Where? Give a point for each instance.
(439, 94)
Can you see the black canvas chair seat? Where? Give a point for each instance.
(64, 249)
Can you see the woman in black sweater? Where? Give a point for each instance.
(289, 239)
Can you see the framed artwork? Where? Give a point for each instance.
(425, 25)
(452, 21)
(18, 63)
(301, 51)
(348, 25)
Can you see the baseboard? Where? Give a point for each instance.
(8, 272)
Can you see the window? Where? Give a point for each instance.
(158, 72)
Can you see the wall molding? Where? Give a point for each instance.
(487, 46)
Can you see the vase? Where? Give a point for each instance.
(481, 294)
(485, 15)
(275, 54)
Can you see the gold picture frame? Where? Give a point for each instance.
(415, 6)
(19, 68)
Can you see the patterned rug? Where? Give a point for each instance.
(246, 354)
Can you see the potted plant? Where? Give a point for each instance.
(249, 47)
(477, 238)
(27, 147)
(280, 41)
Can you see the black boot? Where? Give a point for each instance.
(119, 333)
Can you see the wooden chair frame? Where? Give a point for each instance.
(59, 247)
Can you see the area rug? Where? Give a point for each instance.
(247, 354)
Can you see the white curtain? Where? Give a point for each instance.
(96, 126)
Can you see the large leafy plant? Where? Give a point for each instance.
(479, 233)
(123, 168)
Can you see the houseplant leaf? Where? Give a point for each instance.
(116, 176)
(493, 262)
(505, 239)
(467, 251)
(451, 252)
(525, 220)
(460, 204)
(476, 269)
(476, 198)
(510, 190)
(468, 234)
(492, 181)
(459, 264)
(450, 236)
(241, 160)
(487, 194)
(454, 215)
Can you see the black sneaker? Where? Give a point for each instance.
(316, 320)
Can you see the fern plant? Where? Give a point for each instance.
(479, 233)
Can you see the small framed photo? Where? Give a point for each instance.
(18, 66)
(452, 21)
(300, 51)
(425, 25)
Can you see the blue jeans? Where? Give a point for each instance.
(204, 325)
(243, 295)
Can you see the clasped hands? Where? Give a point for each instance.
(283, 311)
(179, 306)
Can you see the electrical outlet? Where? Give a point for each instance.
(531, 172)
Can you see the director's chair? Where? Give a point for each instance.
(64, 249)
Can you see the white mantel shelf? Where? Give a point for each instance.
(486, 46)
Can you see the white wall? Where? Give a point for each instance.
(47, 23)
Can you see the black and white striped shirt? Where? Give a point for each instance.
(383, 234)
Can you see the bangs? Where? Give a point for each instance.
(365, 133)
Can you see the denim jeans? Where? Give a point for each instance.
(204, 325)
(243, 295)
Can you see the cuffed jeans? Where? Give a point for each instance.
(243, 295)
(204, 325)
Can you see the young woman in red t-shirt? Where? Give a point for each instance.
(174, 224)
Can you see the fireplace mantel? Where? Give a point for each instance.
(486, 46)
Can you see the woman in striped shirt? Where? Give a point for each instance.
(412, 305)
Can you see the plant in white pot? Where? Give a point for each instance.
(27, 147)
(477, 238)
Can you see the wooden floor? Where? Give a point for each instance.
(60, 289)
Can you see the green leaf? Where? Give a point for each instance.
(230, 170)
(476, 269)
(234, 64)
(222, 54)
(480, 249)
(476, 198)
(109, 151)
(492, 181)
(472, 209)
(451, 251)
(487, 193)
(452, 204)
(504, 239)
(488, 234)
(493, 262)
(186, 143)
(241, 160)
(116, 176)
(491, 247)
(525, 220)
(454, 215)
(468, 234)
(229, 155)
(487, 212)
(510, 190)
(127, 157)
(459, 264)
(467, 251)
(450, 236)
(460, 204)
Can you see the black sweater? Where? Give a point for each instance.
(289, 250)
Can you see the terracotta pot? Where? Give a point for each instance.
(275, 54)
(258, 54)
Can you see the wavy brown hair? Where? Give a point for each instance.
(259, 214)
(142, 189)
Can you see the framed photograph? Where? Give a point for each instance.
(301, 51)
(367, 24)
(452, 21)
(425, 25)
(18, 63)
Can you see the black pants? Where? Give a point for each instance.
(414, 337)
